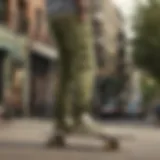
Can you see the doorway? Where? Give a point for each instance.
(41, 89)
(17, 87)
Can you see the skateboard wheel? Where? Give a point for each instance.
(57, 141)
(112, 144)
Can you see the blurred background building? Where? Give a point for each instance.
(134, 93)
(106, 24)
(29, 51)
(110, 47)
(29, 55)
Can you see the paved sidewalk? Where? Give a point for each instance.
(25, 131)
(25, 139)
(36, 132)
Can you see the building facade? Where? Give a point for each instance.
(13, 49)
(134, 106)
(32, 55)
(106, 24)
(110, 46)
(122, 65)
(24, 32)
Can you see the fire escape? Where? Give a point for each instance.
(97, 23)
(122, 72)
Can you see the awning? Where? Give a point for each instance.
(44, 50)
(15, 45)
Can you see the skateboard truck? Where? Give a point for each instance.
(111, 143)
(58, 140)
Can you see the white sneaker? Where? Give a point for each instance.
(69, 121)
(92, 126)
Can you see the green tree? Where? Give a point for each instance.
(146, 44)
(150, 92)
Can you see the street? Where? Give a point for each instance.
(25, 139)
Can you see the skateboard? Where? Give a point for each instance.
(111, 143)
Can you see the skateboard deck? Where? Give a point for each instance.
(110, 142)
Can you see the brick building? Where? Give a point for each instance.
(12, 46)
(24, 26)
(110, 44)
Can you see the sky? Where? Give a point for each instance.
(127, 8)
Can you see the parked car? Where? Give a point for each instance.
(109, 109)
(156, 114)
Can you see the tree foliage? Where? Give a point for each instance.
(146, 44)
(149, 89)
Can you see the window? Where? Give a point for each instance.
(3, 10)
(120, 68)
(22, 17)
(38, 21)
(96, 6)
(100, 55)
(121, 53)
(97, 27)
(121, 39)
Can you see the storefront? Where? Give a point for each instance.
(42, 76)
(12, 61)
(28, 69)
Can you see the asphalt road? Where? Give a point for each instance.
(25, 140)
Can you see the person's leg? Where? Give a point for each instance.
(63, 104)
(62, 28)
(85, 72)
(71, 35)
(84, 96)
